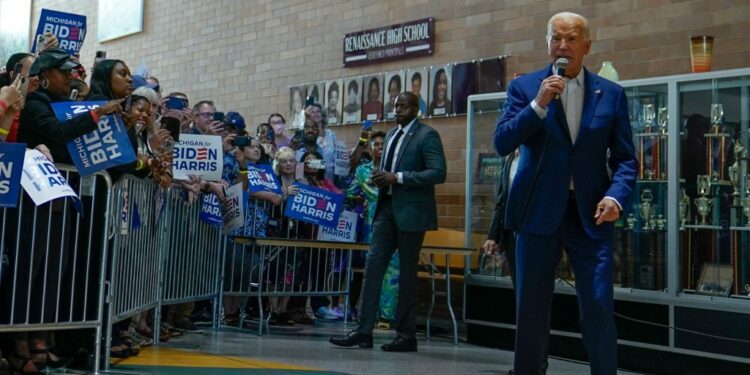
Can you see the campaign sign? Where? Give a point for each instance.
(69, 28)
(211, 210)
(105, 147)
(198, 155)
(341, 166)
(11, 164)
(261, 178)
(315, 206)
(233, 209)
(42, 181)
(345, 231)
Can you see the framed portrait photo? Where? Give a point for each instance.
(394, 85)
(418, 82)
(440, 91)
(372, 98)
(352, 105)
(333, 102)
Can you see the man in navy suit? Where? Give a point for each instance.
(570, 128)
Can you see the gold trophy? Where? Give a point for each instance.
(704, 202)
(716, 142)
(645, 208)
(684, 206)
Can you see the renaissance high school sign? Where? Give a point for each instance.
(395, 42)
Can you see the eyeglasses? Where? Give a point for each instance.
(206, 114)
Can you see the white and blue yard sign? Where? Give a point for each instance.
(11, 165)
(316, 206)
(105, 147)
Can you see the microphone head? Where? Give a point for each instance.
(560, 65)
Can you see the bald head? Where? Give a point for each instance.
(409, 98)
(406, 108)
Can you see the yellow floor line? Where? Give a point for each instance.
(160, 356)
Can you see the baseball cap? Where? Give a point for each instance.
(234, 119)
(53, 58)
(139, 81)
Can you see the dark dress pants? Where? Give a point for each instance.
(592, 261)
(386, 238)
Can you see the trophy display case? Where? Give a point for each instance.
(682, 243)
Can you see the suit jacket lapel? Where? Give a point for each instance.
(405, 143)
(388, 137)
(555, 109)
(590, 99)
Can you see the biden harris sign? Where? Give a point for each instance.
(316, 206)
(105, 147)
(197, 155)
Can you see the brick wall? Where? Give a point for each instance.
(244, 54)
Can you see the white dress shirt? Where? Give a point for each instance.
(392, 167)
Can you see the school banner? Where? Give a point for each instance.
(69, 28)
(233, 209)
(11, 166)
(105, 147)
(261, 178)
(316, 206)
(42, 181)
(198, 155)
(211, 210)
(345, 231)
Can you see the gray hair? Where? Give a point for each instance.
(568, 16)
(148, 93)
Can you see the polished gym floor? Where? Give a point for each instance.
(305, 350)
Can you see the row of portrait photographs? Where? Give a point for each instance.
(442, 90)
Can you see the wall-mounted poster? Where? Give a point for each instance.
(333, 102)
(316, 90)
(372, 97)
(352, 106)
(119, 18)
(394, 85)
(440, 91)
(464, 84)
(491, 75)
(418, 82)
(296, 107)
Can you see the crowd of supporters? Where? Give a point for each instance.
(302, 157)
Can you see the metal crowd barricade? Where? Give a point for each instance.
(191, 253)
(287, 260)
(136, 250)
(54, 260)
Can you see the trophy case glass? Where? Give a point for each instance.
(682, 243)
(714, 254)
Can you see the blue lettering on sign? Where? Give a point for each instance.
(105, 147)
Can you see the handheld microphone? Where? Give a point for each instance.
(560, 65)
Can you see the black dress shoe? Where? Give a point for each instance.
(352, 339)
(401, 344)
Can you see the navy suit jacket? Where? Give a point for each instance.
(421, 160)
(604, 139)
